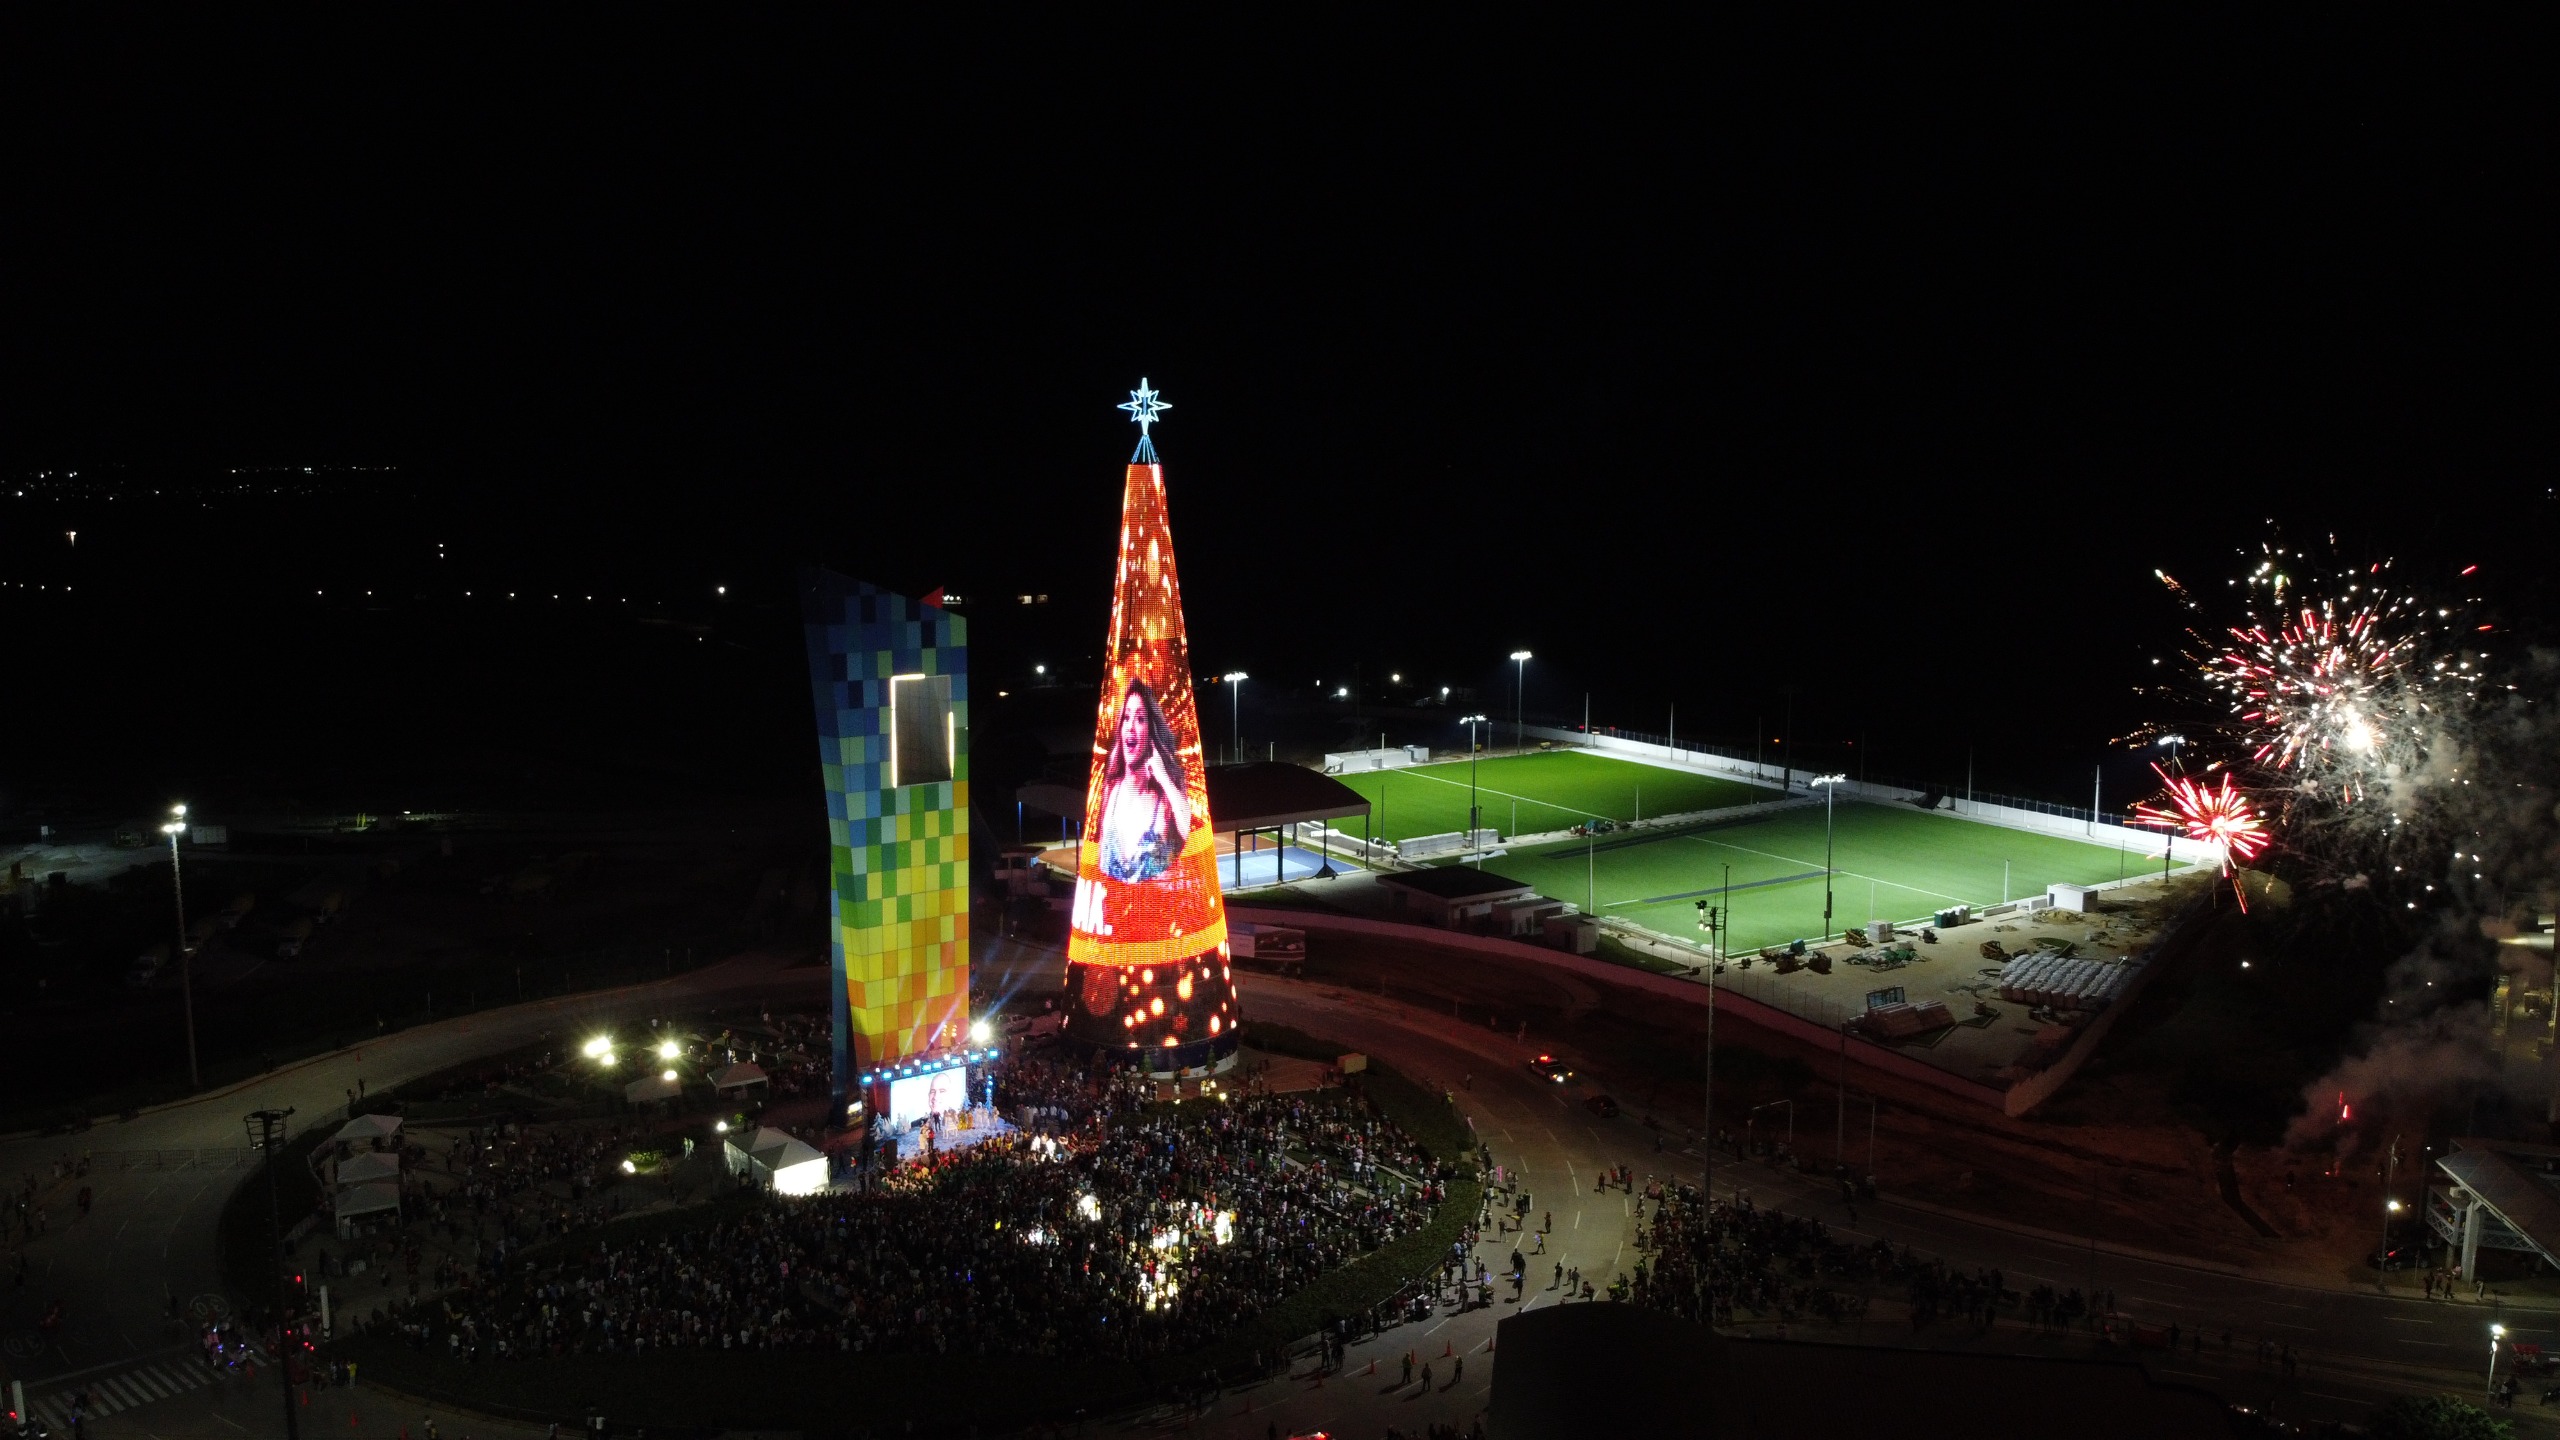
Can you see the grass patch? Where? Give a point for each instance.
(1273, 1039)
(1888, 862)
(1619, 952)
(1531, 794)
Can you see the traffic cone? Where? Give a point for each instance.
(1445, 1351)
(1372, 1370)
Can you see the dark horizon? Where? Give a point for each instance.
(1887, 379)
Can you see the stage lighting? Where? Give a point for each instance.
(980, 1031)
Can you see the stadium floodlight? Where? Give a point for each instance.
(1235, 713)
(1830, 785)
(186, 965)
(1519, 698)
(1471, 722)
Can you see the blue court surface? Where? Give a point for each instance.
(1245, 869)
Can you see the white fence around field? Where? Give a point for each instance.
(2106, 832)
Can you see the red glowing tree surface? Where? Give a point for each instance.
(1146, 943)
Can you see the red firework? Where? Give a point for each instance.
(2218, 816)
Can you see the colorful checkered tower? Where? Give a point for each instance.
(891, 681)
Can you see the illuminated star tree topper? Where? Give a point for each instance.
(1144, 408)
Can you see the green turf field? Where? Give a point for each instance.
(1530, 794)
(1892, 863)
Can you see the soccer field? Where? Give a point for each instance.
(1891, 863)
(1529, 794)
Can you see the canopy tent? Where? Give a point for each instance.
(374, 1198)
(367, 1167)
(368, 1127)
(770, 1157)
(737, 1077)
(653, 1087)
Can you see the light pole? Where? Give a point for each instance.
(2496, 1334)
(176, 827)
(1472, 721)
(1830, 788)
(2169, 837)
(266, 1133)
(1235, 714)
(2390, 1207)
(1520, 699)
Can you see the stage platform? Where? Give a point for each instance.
(985, 1124)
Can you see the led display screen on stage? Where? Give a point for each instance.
(918, 1097)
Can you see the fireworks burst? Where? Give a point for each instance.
(2332, 683)
(2218, 816)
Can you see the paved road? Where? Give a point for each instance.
(2354, 1349)
(161, 1179)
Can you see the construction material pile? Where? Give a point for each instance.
(1894, 1021)
(2062, 982)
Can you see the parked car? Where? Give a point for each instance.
(1604, 1106)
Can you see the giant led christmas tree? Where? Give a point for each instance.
(1147, 948)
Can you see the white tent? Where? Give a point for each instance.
(737, 1077)
(366, 1167)
(373, 1198)
(652, 1087)
(771, 1157)
(368, 1127)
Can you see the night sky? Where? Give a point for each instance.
(1885, 365)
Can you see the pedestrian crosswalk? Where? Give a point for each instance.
(123, 1390)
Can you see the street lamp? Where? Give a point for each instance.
(2169, 837)
(2496, 1334)
(1519, 698)
(267, 1136)
(1471, 722)
(1235, 713)
(1830, 788)
(176, 827)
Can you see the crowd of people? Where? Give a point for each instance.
(1133, 1228)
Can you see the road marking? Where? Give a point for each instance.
(2325, 1395)
(2431, 1344)
(139, 1385)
